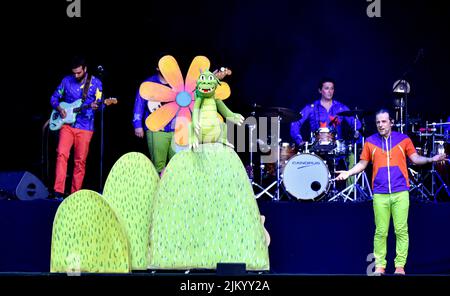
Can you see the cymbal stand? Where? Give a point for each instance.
(365, 193)
(277, 182)
(434, 173)
(251, 173)
(416, 185)
(333, 190)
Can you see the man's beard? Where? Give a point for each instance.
(79, 79)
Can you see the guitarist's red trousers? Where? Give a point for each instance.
(80, 139)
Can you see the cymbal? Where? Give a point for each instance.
(286, 114)
(438, 123)
(355, 112)
(430, 134)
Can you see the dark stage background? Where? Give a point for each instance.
(278, 50)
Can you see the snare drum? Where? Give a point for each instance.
(324, 140)
(306, 177)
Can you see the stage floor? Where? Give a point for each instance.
(307, 238)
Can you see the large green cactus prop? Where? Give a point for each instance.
(205, 212)
(88, 237)
(130, 189)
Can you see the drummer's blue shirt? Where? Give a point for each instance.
(318, 117)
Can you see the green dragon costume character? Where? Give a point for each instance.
(207, 125)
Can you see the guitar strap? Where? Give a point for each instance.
(86, 89)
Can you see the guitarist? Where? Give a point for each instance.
(79, 134)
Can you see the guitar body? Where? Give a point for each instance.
(56, 121)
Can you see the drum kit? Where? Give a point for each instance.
(428, 183)
(307, 172)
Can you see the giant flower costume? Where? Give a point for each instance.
(179, 97)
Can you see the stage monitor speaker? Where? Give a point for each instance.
(22, 185)
(231, 268)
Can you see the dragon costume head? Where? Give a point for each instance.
(207, 84)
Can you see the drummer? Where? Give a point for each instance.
(323, 114)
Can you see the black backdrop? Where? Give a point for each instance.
(278, 50)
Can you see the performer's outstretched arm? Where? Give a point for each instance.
(359, 167)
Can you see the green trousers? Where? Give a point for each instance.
(160, 146)
(385, 205)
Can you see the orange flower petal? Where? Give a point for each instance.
(171, 71)
(198, 63)
(161, 117)
(223, 91)
(157, 92)
(220, 117)
(182, 127)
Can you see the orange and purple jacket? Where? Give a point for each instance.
(388, 156)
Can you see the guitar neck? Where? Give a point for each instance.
(107, 102)
(81, 108)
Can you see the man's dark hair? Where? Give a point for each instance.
(78, 61)
(326, 79)
(384, 110)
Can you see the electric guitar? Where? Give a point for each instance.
(72, 109)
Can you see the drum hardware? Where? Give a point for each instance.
(438, 148)
(401, 89)
(441, 125)
(333, 190)
(416, 185)
(277, 182)
(356, 189)
(251, 165)
(281, 114)
(306, 148)
(363, 191)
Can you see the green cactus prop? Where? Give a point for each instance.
(88, 237)
(205, 213)
(129, 189)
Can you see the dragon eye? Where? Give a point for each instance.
(202, 77)
(211, 78)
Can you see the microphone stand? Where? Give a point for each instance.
(404, 96)
(100, 74)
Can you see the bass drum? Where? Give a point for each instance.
(306, 177)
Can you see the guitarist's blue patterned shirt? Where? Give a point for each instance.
(70, 90)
